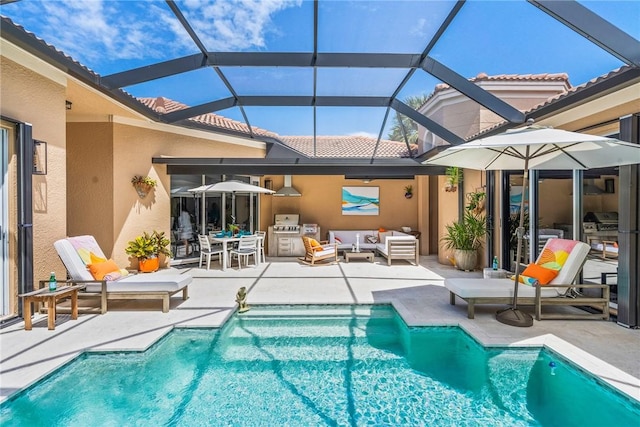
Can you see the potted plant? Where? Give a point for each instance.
(454, 177)
(408, 191)
(464, 238)
(476, 201)
(146, 248)
(143, 185)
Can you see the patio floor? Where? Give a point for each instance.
(604, 348)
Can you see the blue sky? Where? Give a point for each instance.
(499, 37)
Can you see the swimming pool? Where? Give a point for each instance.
(305, 366)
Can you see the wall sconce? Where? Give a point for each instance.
(268, 184)
(39, 158)
(68, 104)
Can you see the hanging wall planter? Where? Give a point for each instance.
(454, 177)
(408, 191)
(143, 185)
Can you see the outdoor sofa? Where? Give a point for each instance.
(392, 245)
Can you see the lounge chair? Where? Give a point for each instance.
(322, 251)
(559, 291)
(159, 285)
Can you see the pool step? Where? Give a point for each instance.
(344, 333)
(317, 311)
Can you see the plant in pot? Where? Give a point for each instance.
(408, 191)
(464, 238)
(454, 177)
(146, 248)
(476, 201)
(143, 185)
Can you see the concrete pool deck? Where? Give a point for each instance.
(604, 348)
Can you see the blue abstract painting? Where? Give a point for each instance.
(360, 200)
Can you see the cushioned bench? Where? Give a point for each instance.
(160, 285)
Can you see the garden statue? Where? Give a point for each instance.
(241, 299)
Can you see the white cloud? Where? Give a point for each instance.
(232, 25)
(102, 32)
(365, 134)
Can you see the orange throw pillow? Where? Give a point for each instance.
(315, 245)
(541, 274)
(101, 269)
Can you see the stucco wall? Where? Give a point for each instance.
(133, 149)
(29, 97)
(90, 182)
(321, 203)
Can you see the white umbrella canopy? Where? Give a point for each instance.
(538, 148)
(231, 186)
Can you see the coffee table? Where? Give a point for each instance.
(348, 256)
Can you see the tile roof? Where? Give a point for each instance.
(555, 98)
(481, 77)
(578, 88)
(347, 146)
(327, 146)
(164, 105)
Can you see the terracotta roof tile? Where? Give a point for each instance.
(556, 98)
(164, 106)
(347, 146)
(505, 77)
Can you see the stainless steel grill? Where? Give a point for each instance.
(286, 223)
(603, 221)
(600, 227)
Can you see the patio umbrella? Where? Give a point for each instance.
(233, 187)
(536, 148)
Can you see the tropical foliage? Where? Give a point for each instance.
(466, 234)
(397, 132)
(148, 245)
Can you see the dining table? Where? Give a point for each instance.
(225, 251)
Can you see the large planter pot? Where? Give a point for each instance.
(148, 265)
(465, 259)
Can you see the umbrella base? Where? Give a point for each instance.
(514, 317)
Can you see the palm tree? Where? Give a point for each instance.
(410, 127)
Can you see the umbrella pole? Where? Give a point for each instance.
(512, 316)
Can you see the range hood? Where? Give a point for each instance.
(590, 187)
(287, 190)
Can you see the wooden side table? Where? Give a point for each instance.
(52, 298)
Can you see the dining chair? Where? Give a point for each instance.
(206, 251)
(247, 246)
(261, 237)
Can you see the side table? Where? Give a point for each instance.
(490, 273)
(51, 298)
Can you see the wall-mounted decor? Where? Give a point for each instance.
(360, 200)
(39, 158)
(609, 185)
(143, 185)
(515, 198)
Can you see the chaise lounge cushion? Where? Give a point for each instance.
(493, 288)
(169, 280)
(483, 288)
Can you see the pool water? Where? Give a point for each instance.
(307, 366)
